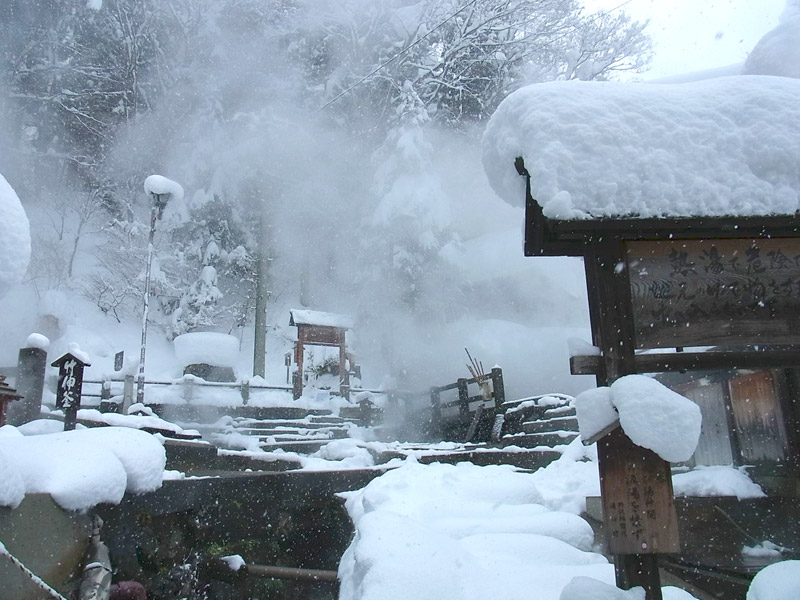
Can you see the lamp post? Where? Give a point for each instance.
(160, 190)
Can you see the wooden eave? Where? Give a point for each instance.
(559, 237)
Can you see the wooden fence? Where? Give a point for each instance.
(468, 417)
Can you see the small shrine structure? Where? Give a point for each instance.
(315, 328)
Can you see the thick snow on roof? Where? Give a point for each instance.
(727, 146)
(314, 317)
(15, 238)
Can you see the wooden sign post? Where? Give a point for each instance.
(70, 383)
(635, 483)
(732, 282)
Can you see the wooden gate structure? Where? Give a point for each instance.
(728, 287)
(316, 328)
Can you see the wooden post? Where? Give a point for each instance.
(297, 382)
(463, 398)
(7, 396)
(436, 411)
(105, 395)
(611, 315)
(31, 366)
(245, 392)
(70, 384)
(498, 388)
(344, 375)
(127, 394)
(262, 294)
(188, 389)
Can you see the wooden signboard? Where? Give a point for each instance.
(715, 292)
(70, 383)
(637, 498)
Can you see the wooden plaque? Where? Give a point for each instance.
(715, 292)
(638, 507)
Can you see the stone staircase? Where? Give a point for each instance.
(303, 435)
(279, 438)
(541, 422)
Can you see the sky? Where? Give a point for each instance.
(695, 35)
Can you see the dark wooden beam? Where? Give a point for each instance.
(695, 361)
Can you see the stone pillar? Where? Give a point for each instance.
(30, 385)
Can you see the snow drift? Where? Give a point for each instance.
(79, 468)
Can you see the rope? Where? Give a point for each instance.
(30, 574)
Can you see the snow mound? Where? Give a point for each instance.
(217, 349)
(727, 146)
(595, 411)
(716, 481)
(583, 588)
(37, 340)
(779, 581)
(778, 52)
(651, 415)
(461, 531)
(15, 243)
(655, 417)
(83, 468)
(12, 488)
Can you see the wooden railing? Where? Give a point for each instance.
(466, 417)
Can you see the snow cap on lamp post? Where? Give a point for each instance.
(161, 189)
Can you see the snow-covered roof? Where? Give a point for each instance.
(727, 146)
(313, 317)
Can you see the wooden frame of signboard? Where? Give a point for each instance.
(671, 283)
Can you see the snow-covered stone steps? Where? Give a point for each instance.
(482, 456)
(538, 440)
(293, 436)
(259, 426)
(297, 446)
(568, 423)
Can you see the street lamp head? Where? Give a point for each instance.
(160, 189)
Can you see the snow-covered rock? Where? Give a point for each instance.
(723, 146)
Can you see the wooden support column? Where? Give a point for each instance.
(436, 412)
(627, 473)
(297, 383)
(344, 375)
(463, 398)
(498, 388)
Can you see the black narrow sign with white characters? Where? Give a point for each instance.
(70, 382)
